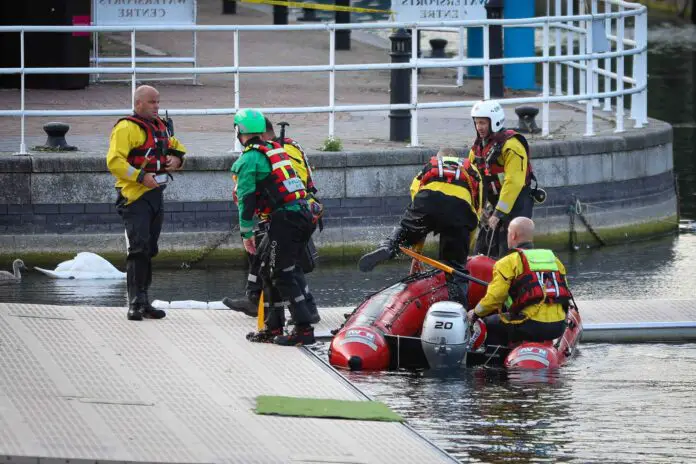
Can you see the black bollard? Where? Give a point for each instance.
(494, 10)
(56, 137)
(280, 14)
(400, 86)
(229, 7)
(437, 47)
(342, 35)
(526, 123)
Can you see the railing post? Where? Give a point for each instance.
(582, 41)
(545, 84)
(570, 50)
(494, 10)
(644, 63)
(399, 86)
(332, 80)
(22, 143)
(486, 66)
(557, 71)
(607, 61)
(133, 81)
(589, 81)
(342, 17)
(235, 57)
(595, 75)
(415, 52)
(620, 72)
(460, 57)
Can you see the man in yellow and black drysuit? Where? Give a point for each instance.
(446, 199)
(502, 158)
(142, 152)
(530, 283)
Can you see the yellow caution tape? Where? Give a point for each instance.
(317, 6)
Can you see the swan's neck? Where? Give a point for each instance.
(17, 273)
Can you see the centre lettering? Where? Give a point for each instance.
(142, 12)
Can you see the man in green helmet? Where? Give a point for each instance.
(530, 284)
(268, 186)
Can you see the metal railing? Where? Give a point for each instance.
(577, 28)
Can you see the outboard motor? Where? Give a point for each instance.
(445, 335)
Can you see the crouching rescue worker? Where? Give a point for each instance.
(446, 200)
(142, 152)
(267, 186)
(254, 285)
(502, 158)
(531, 284)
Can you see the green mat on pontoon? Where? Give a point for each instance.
(318, 407)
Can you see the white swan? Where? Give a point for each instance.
(85, 265)
(15, 275)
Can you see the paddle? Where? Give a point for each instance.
(441, 266)
(415, 264)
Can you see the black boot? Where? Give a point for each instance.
(150, 312)
(386, 251)
(300, 335)
(135, 312)
(264, 336)
(248, 305)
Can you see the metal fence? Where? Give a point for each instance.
(577, 27)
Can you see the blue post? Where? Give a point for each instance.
(519, 42)
(474, 49)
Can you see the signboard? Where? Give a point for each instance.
(143, 12)
(438, 10)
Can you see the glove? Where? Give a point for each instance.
(249, 245)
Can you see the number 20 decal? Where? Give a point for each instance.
(443, 325)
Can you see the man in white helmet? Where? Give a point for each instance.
(502, 158)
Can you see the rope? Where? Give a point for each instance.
(209, 249)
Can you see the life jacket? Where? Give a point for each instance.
(452, 170)
(540, 281)
(300, 164)
(283, 185)
(485, 158)
(151, 156)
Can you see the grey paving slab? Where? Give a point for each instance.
(84, 383)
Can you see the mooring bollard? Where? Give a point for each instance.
(526, 123)
(494, 10)
(437, 47)
(56, 137)
(400, 86)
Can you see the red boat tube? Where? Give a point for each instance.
(400, 309)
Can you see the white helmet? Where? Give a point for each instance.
(492, 110)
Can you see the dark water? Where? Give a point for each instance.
(614, 403)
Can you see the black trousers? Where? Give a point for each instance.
(501, 333)
(143, 221)
(523, 207)
(279, 259)
(448, 216)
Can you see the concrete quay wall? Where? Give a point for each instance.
(53, 205)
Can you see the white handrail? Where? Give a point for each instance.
(590, 64)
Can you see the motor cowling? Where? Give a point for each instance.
(445, 335)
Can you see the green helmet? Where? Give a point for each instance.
(250, 121)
